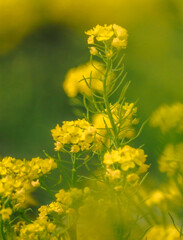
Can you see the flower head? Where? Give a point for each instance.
(168, 117)
(114, 35)
(125, 161)
(74, 82)
(75, 136)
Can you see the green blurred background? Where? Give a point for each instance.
(40, 40)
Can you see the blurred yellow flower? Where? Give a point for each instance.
(168, 117)
(101, 33)
(74, 82)
(6, 213)
(171, 160)
(160, 232)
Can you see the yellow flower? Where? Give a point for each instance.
(115, 35)
(160, 232)
(93, 51)
(171, 160)
(73, 83)
(155, 198)
(102, 33)
(133, 177)
(75, 136)
(113, 174)
(124, 119)
(167, 117)
(91, 39)
(120, 32)
(75, 148)
(6, 213)
(117, 43)
(21, 178)
(126, 159)
(35, 183)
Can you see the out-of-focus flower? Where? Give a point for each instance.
(160, 232)
(74, 82)
(6, 213)
(17, 19)
(171, 160)
(168, 117)
(124, 118)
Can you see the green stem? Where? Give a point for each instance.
(2, 231)
(107, 105)
(74, 170)
(22, 215)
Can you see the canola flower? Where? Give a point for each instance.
(74, 136)
(125, 162)
(18, 179)
(124, 119)
(166, 197)
(171, 160)
(39, 229)
(74, 82)
(168, 117)
(112, 35)
(47, 224)
(5, 213)
(107, 201)
(160, 232)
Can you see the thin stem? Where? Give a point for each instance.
(74, 170)
(2, 231)
(106, 101)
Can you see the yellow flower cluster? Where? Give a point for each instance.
(167, 117)
(171, 160)
(125, 161)
(74, 82)
(74, 136)
(66, 202)
(160, 232)
(67, 198)
(113, 35)
(19, 177)
(124, 119)
(41, 229)
(157, 197)
(5, 213)
(63, 203)
(166, 197)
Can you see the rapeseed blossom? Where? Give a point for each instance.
(74, 82)
(124, 118)
(74, 136)
(48, 223)
(160, 232)
(20, 177)
(168, 117)
(170, 161)
(112, 35)
(125, 162)
(115, 205)
(41, 228)
(6, 213)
